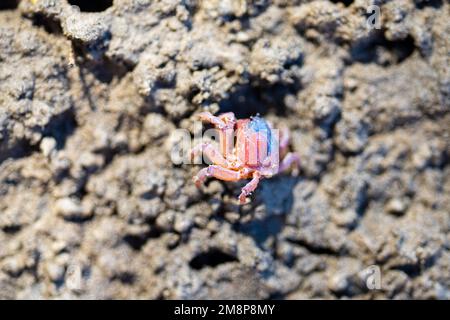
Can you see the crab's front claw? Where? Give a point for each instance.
(208, 117)
(205, 115)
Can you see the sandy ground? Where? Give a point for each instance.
(91, 205)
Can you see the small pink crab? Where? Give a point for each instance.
(255, 155)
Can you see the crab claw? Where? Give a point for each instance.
(208, 117)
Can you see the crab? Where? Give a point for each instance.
(255, 155)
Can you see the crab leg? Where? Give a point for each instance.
(217, 172)
(225, 123)
(227, 134)
(228, 117)
(284, 141)
(250, 187)
(210, 151)
(290, 159)
(208, 117)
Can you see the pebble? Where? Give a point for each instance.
(48, 146)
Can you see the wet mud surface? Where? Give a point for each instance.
(91, 205)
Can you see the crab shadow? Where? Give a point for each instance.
(273, 202)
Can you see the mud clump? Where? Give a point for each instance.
(91, 205)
